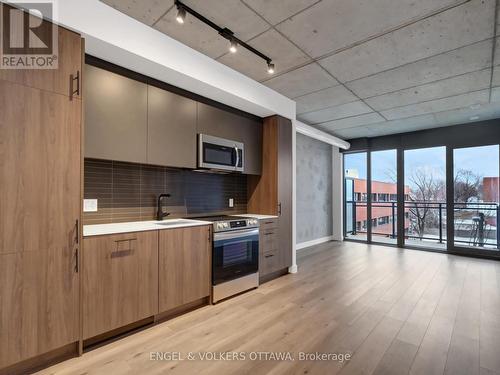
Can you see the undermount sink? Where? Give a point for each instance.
(172, 222)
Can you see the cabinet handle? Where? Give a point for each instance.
(77, 232)
(77, 261)
(279, 209)
(74, 78)
(121, 253)
(268, 222)
(268, 256)
(268, 233)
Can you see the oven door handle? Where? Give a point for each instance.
(235, 234)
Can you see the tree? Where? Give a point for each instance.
(425, 190)
(467, 185)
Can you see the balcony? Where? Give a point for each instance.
(475, 224)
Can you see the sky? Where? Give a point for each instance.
(483, 161)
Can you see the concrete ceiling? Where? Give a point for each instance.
(355, 68)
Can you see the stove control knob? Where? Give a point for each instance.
(220, 225)
(226, 224)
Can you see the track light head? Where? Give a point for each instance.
(270, 68)
(233, 47)
(181, 14)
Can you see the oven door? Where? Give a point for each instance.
(235, 254)
(219, 153)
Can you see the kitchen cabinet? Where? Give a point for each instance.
(120, 280)
(40, 198)
(184, 268)
(115, 116)
(271, 193)
(171, 129)
(69, 62)
(270, 258)
(39, 303)
(221, 123)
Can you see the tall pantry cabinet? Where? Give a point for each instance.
(40, 198)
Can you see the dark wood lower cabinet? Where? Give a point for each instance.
(273, 257)
(120, 280)
(184, 268)
(39, 303)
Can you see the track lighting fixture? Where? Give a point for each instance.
(234, 42)
(233, 47)
(270, 68)
(181, 14)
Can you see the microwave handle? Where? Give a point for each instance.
(237, 157)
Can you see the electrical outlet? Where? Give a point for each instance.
(231, 202)
(90, 205)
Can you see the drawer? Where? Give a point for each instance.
(269, 240)
(268, 223)
(269, 262)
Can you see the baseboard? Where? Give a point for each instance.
(317, 241)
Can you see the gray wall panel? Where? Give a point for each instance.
(314, 189)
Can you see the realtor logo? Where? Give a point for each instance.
(27, 41)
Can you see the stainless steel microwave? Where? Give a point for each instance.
(220, 154)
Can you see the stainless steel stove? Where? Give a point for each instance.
(235, 255)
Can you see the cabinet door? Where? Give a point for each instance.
(224, 124)
(115, 116)
(171, 129)
(120, 280)
(185, 263)
(285, 191)
(69, 61)
(39, 302)
(40, 211)
(39, 169)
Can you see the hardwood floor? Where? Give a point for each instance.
(396, 312)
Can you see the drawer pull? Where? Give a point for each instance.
(267, 234)
(268, 256)
(121, 253)
(268, 222)
(128, 239)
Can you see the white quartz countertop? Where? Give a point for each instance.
(259, 217)
(139, 226)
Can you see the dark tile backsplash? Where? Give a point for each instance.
(128, 191)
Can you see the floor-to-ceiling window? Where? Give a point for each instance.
(435, 189)
(356, 196)
(476, 197)
(425, 197)
(384, 205)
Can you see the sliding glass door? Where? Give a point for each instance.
(448, 199)
(425, 197)
(384, 201)
(355, 196)
(476, 198)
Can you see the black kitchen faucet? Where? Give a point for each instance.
(159, 213)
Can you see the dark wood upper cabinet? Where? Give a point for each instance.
(115, 116)
(171, 129)
(224, 124)
(69, 62)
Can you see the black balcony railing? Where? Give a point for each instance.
(476, 224)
